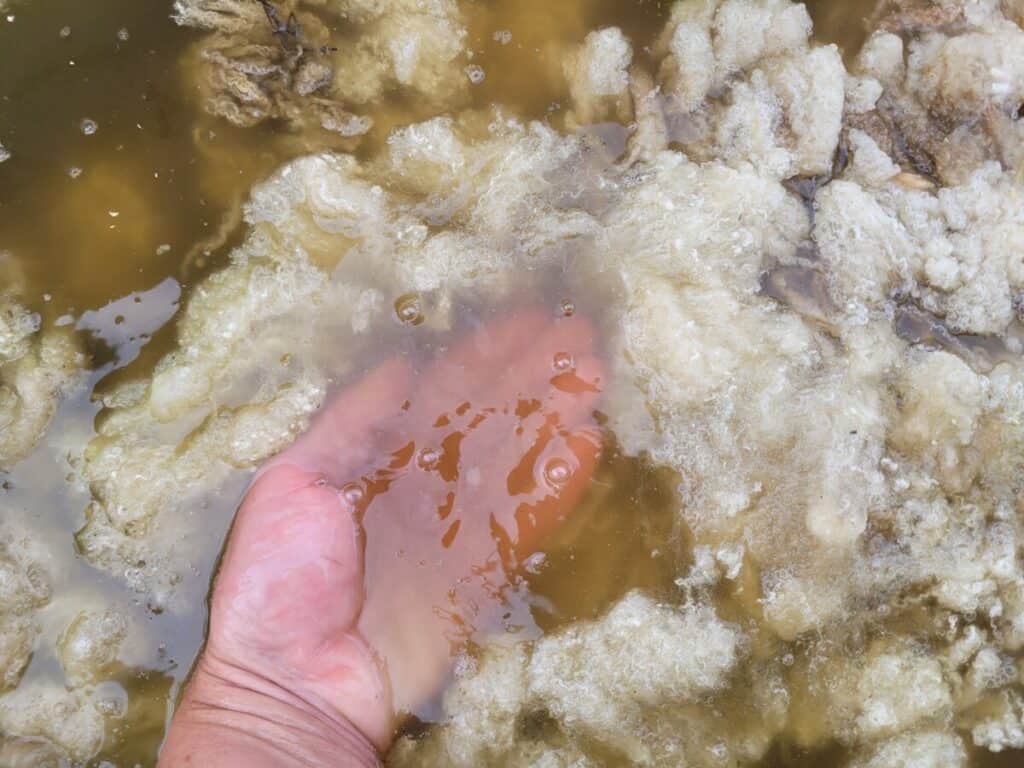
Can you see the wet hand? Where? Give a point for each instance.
(365, 556)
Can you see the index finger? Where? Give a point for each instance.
(339, 437)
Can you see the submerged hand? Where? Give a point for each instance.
(366, 555)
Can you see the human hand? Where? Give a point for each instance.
(365, 555)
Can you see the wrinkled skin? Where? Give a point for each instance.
(366, 554)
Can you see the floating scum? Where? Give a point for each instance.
(847, 494)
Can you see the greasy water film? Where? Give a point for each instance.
(801, 268)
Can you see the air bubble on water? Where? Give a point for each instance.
(475, 73)
(563, 362)
(163, 248)
(10, 18)
(557, 472)
(89, 126)
(568, 308)
(535, 563)
(352, 493)
(111, 699)
(408, 309)
(503, 36)
(428, 459)
(65, 31)
(787, 660)
(74, 171)
(122, 34)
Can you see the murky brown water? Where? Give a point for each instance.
(90, 217)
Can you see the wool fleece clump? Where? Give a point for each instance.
(43, 719)
(809, 277)
(320, 65)
(37, 370)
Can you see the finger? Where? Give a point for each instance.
(566, 470)
(339, 438)
(500, 339)
(552, 353)
(574, 393)
(293, 536)
(480, 360)
(563, 467)
(518, 444)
